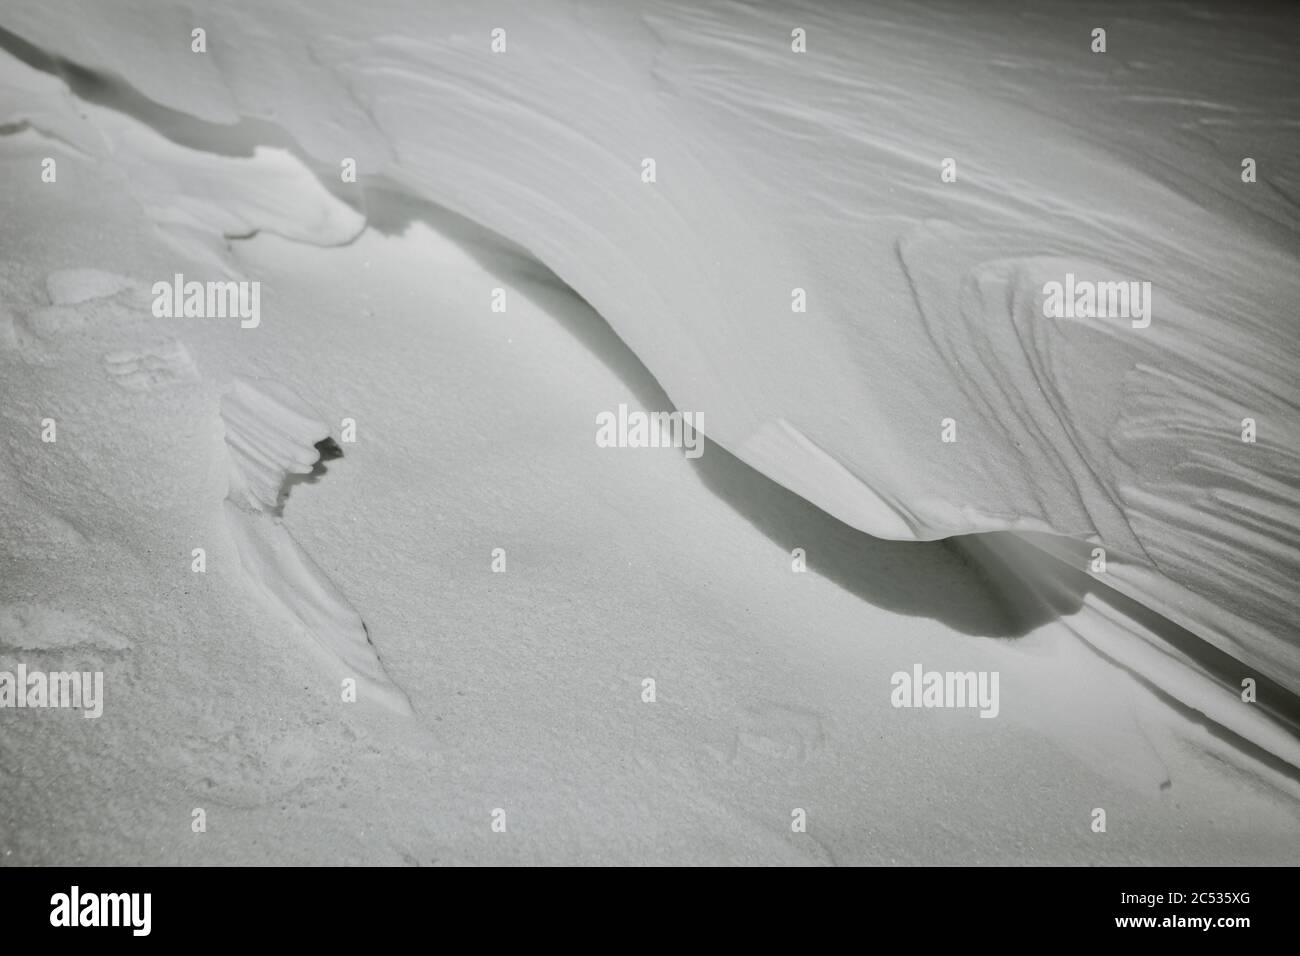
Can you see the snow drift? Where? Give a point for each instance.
(820, 171)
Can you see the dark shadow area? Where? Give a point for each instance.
(329, 451)
(108, 90)
(1056, 583)
(391, 209)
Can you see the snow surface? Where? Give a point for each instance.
(522, 690)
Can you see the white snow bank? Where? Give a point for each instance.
(820, 171)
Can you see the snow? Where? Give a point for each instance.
(522, 690)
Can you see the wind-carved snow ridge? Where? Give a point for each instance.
(924, 295)
(271, 435)
(201, 183)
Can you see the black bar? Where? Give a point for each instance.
(332, 906)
